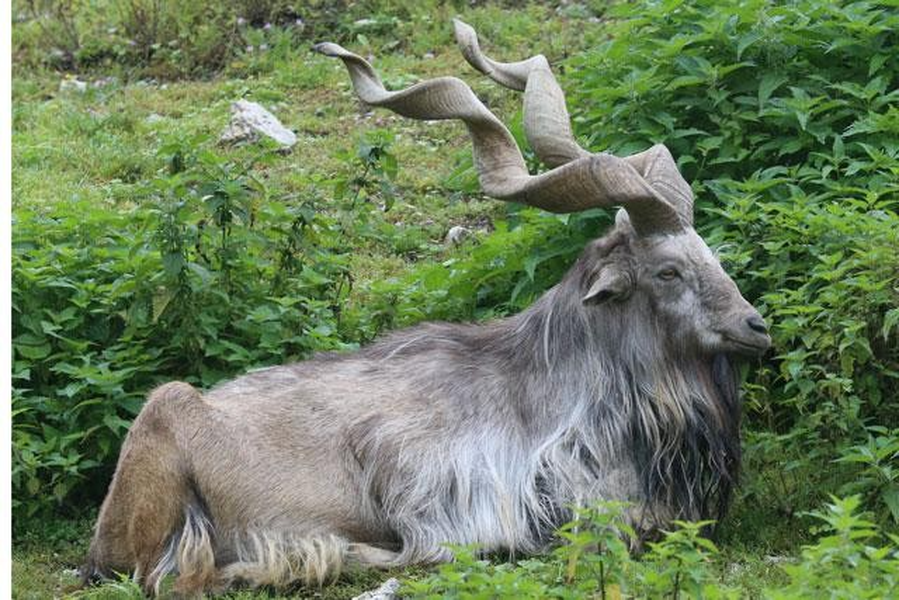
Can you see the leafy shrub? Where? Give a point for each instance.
(161, 38)
(210, 274)
(783, 115)
(57, 20)
(679, 564)
(469, 576)
(843, 563)
(72, 282)
(594, 549)
(879, 478)
(592, 561)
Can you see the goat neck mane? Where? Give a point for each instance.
(598, 387)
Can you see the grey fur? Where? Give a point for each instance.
(470, 434)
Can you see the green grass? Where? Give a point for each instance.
(45, 562)
(101, 145)
(45, 558)
(755, 543)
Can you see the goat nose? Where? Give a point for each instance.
(757, 324)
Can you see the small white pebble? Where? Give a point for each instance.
(457, 234)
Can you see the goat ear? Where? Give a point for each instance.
(612, 284)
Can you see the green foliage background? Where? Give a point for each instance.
(785, 116)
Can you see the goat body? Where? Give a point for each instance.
(468, 434)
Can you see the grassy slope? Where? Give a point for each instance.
(97, 145)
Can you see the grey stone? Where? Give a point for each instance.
(103, 82)
(249, 121)
(457, 234)
(72, 85)
(387, 591)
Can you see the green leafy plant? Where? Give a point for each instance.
(844, 563)
(195, 284)
(878, 479)
(594, 550)
(678, 565)
(592, 560)
(469, 576)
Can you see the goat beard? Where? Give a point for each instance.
(693, 474)
(725, 379)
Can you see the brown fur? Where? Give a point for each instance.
(147, 498)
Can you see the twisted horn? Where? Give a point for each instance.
(595, 180)
(547, 125)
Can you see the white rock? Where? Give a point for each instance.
(72, 85)
(105, 81)
(387, 591)
(154, 118)
(456, 234)
(250, 120)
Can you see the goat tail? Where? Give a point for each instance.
(190, 554)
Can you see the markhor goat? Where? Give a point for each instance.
(617, 384)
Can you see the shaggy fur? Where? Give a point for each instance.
(467, 434)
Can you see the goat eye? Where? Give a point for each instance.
(668, 274)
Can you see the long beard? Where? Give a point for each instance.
(691, 472)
